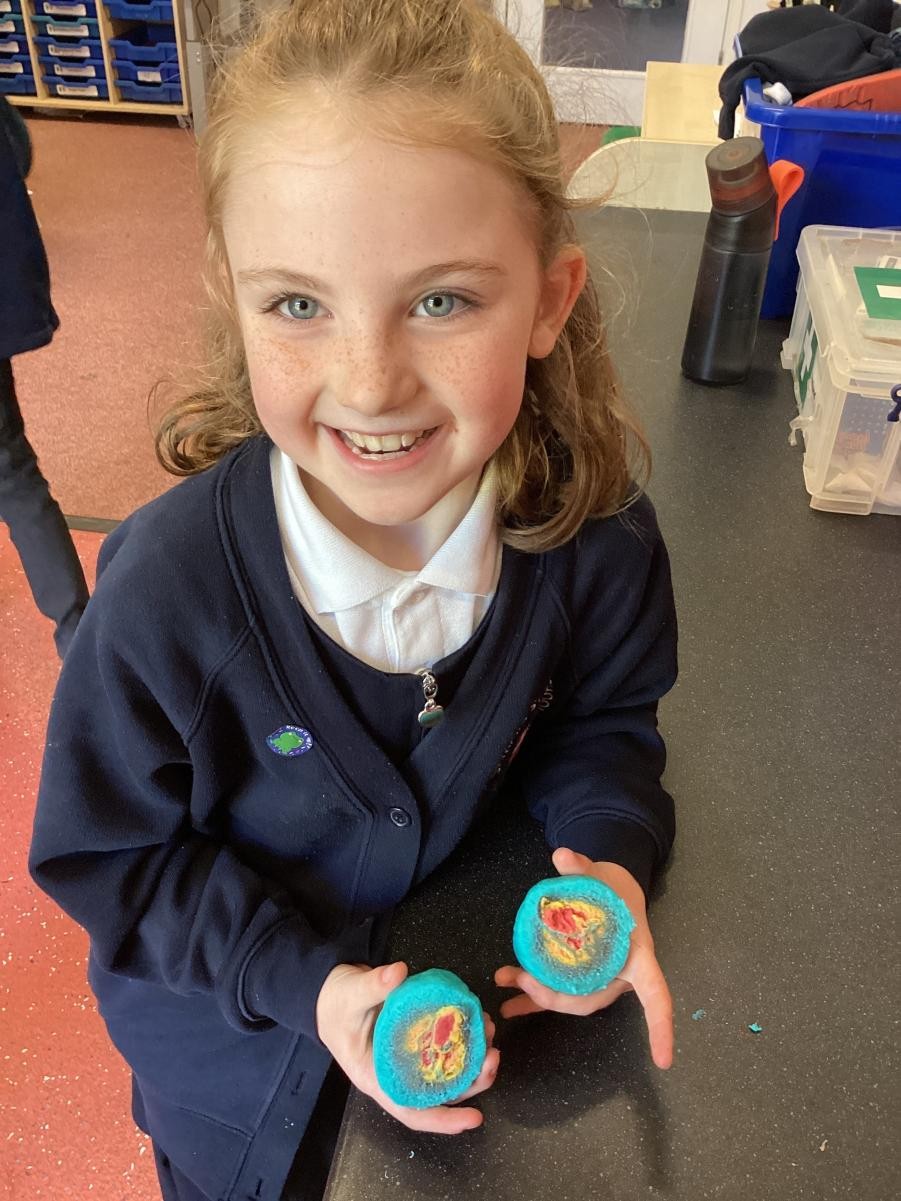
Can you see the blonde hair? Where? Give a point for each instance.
(575, 451)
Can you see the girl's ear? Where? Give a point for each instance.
(563, 281)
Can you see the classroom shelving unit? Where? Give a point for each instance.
(121, 56)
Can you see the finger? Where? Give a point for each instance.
(438, 1119)
(517, 1007)
(393, 974)
(544, 997)
(490, 1028)
(654, 994)
(485, 1078)
(378, 983)
(580, 1005)
(506, 976)
(571, 863)
(605, 997)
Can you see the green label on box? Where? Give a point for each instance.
(807, 354)
(880, 288)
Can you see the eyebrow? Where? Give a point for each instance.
(297, 279)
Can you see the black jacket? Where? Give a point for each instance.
(810, 48)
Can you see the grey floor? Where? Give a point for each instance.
(620, 39)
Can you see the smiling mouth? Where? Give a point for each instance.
(384, 446)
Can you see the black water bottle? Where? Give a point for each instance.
(722, 328)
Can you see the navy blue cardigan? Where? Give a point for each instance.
(221, 878)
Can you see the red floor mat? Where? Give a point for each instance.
(120, 215)
(64, 1092)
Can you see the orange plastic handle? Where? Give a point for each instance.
(787, 177)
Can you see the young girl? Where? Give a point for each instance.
(307, 668)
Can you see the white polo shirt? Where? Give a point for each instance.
(397, 621)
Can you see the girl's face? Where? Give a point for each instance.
(388, 298)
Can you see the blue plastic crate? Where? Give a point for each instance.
(65, 10)
(53, 27)
(18, 85)
(89, 89)
(14, 65)
(852, 176)
(83, 69)
(10, 47)
(134, 10)
(73, 49)
(160, 93)
(146, 44)
(11, 25)
(147, 73)
(10, 8)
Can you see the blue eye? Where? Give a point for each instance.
(298, 308)
(442, 304)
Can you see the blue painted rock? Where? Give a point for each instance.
(572, 934)
(429, 1040)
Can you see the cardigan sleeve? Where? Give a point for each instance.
(114, 846)
(591, 767)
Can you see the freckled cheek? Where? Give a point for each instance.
(493, 387)
(282, 378)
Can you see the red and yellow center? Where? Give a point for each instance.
(570, 929)
(437, 1040)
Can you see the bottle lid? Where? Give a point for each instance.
(739, 175)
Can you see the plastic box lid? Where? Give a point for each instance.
(852, 278)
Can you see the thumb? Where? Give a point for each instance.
(383, 980)
(570, 863)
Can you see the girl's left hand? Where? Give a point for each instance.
(641, 971)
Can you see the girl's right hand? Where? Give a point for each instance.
(346, 1010)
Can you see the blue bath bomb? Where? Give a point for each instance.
(429, 1040)
(572, 934)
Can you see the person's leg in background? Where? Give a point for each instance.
(36, 524)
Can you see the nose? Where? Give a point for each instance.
(375, 375)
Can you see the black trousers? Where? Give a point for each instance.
(36, 524)
(309, 1172)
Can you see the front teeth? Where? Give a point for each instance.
(387, 442)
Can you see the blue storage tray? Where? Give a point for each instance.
(155, 10)
(75, 70)
(14, 65)
(71, 49)
(65, 10)
(17, 85)
(11, 26)
(72, 89)
(852, 176)
(51, 27)
(146, 44)
(147, 73)
(11, 46)
(160, 93)
(10, 8)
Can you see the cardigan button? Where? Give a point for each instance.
(400, 817)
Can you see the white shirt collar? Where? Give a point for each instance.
(336, 574)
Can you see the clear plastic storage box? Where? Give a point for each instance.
(844, 353)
